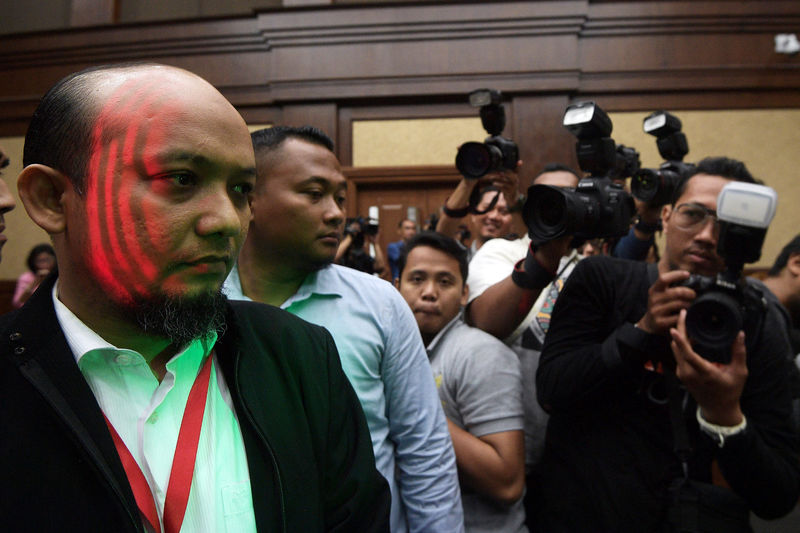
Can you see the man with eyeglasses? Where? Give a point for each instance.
(617, 338)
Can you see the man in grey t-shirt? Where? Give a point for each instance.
(479, 383)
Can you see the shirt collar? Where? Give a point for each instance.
(323, 282)
(82, 339)
(442, 332)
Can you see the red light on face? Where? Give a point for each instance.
(124, 248)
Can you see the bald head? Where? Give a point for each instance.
(61, 132)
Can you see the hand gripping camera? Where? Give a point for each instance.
(475, 159)
(726, 304)
(656, 186)
(597, 208)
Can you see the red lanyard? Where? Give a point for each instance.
(180, 477)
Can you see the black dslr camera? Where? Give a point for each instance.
(597, 208)
(368, 226)
(475, 159)
(726, 304)
(656, 186)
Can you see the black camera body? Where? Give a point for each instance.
(597, 207)
(657, 186)
(474, 160)
(626, 163)
(725, 303)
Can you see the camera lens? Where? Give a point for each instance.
(546, 212)
(475, 159)
(644, 185)
(712, 322)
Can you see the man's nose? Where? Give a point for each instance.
(221, 215)
(429, 290)
(709, 231)
(334, 213)
(7, 202)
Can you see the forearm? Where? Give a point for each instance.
(765, 477)
(496, 474)
(380, 261)
(501, 308)
(633, 246)
(357, 497)
(424, 458)
(504, 305)
(459, 199)
(342, 250)
(761, 464)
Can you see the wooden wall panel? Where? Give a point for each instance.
(331, 64)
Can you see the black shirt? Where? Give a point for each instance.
(608, 456)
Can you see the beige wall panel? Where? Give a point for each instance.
(766, 140)
(412, 142)
(22, 233)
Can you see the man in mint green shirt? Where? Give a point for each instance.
(133, 396)
(298, 213)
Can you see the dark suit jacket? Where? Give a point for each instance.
(308, 447)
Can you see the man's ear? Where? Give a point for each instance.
(666, 213)
(42, 190)
(465, 295)
(793, 264)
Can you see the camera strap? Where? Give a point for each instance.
(477, 194)
(680, 436)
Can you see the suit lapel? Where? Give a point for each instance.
(47, 363)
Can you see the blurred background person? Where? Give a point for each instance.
(406, 229)
(354, 250)
(492, 216)
(41, 261)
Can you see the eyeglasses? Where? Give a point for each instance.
(693, 216)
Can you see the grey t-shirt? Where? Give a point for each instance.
(480, 386)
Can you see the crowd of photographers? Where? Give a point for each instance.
(541, 366)
(658, 389)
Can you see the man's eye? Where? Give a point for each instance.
(341, 200)
(314, 194)
(695, 214)
(243, 188)
(181, 179)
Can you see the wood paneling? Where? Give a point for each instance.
(328, 65)
(396, 189)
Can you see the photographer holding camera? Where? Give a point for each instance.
(645, 433)
(652, 188)
(491, 207)
(353, 251)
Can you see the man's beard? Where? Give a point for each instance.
(182, 319)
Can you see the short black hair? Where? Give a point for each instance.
(557, 167)
(726, 167)
(406, 219)
(268, 139)
(440, 242)
(780, 263)
(60, 132)
(35, 251)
